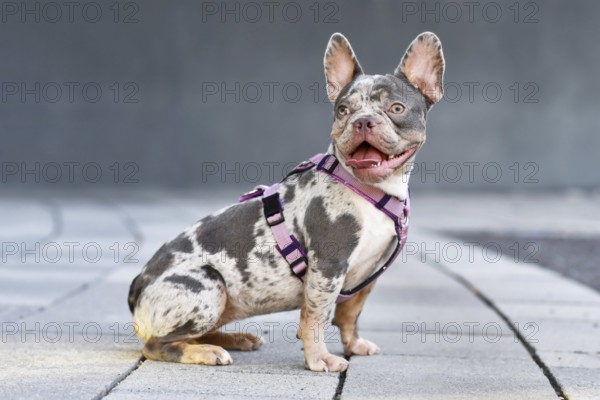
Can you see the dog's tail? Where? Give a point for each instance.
(142, 327)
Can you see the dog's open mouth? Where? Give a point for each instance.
(367, 156)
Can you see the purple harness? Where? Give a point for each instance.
(287, 244)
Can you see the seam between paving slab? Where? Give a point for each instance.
(127, 219)
(341, 381)
(558, 389)
(81, 288)
(58, 227)
(130, 224)
(119, 379)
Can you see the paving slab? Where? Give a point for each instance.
(438, 339)
(578, 372)
(28, 218)
(421, 377)
(461, 344)
(77, 369)
(160, 380)
(553, 315)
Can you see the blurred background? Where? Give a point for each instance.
(190, 94)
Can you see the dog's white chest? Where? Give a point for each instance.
(377, 236)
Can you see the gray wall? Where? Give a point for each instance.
(176, 133)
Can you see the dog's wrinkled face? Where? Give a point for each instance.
(379, 120)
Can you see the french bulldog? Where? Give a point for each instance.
(217, 270)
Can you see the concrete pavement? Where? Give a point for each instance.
(454, 319)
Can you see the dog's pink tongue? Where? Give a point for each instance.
(364, 157)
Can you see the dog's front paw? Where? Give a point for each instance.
(362, 347)
(327, 363)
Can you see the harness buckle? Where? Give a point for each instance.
(273, 210)
(297, 263)
(275, 221)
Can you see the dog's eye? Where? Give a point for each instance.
(343, 110)
(397, 108)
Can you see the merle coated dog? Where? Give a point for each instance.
(216, 271)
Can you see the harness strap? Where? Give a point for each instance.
(287, 245)
(290, 248)
(389, 205)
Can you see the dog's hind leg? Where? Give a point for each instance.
(182, 305)
(186, 353)
(232, 341)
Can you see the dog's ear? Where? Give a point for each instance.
(423, 65)
(341, 65)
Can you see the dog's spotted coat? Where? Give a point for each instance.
(225, 267)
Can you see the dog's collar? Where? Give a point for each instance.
(287, 244)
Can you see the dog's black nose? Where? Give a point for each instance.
(364, 125)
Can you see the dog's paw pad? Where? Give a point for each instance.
(329, 363)
(363, 347)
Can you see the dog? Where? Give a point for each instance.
(217, 271)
